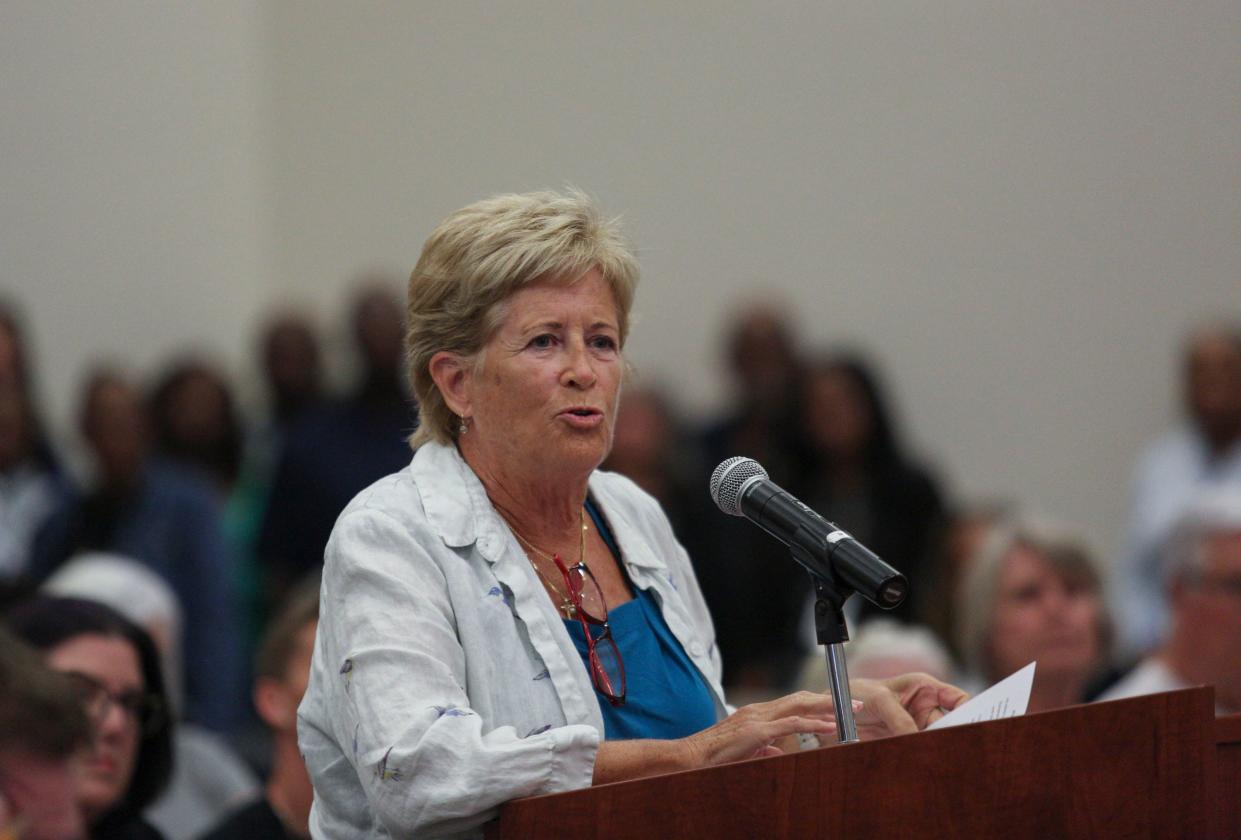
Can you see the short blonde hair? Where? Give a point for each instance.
(482, 254)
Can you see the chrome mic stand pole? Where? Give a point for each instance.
(832, 633)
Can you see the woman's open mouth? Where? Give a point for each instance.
(582, 417)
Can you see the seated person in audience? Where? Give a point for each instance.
(957, 543)
(281, 671)
(336, 449)
(167, 519)
(292, 366)
(44, 738)
(208, 779)
(31, 481)
(195, 423)
(859, 475)
(1203, 573)
(1033, 594)
(1204, 452)
(115, 667)
(755, 595)
(650, 447)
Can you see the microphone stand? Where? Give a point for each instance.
(832, 633)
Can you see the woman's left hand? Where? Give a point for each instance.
(903, 704)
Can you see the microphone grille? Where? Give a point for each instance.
(728, 479)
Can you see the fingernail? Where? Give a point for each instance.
(857, 704)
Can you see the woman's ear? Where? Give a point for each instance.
(452, 376)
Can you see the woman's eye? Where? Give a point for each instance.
(542, 342)
(603, 342)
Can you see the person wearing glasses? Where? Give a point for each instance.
(115, 668)
(1202, 575)
(501, 619)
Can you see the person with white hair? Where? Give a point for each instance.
(208, 780)
(1202, 566)
(882, 648)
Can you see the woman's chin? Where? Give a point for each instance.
(96, 797)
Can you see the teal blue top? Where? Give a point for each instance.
(666, 696)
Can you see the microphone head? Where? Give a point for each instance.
(728, 480)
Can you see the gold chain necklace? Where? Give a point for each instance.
(566, 603)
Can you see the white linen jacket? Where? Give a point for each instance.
(443, 682)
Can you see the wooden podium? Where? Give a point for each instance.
(1159, 766)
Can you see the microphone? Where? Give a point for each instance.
(740, 487)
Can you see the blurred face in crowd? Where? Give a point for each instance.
(291, 361)
(277, 700)
(298, 673)
(642, 435)
(111, 663)
(10, 357)
(380, 329)
(545, 399)
(1214, 386)
(762, 357)
(1212, 602)
(1042, 614)
(115, 427)
(38, 794)
(838, 418)
(13, 432)
(198, 410)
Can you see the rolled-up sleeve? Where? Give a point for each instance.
(390, 688)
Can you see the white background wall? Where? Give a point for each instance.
(1018, 207)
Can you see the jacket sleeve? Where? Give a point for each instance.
(399, 707)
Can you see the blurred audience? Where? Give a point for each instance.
(1202, 565)
(650, 446)
(44, 739)
(115, 669)
(958, 542)
(764, 367)
(197, 426)
(334, 451)
(1204, 452)
(881, 648)
(1033, 593)
(166, 518)
(31, 481)
(208, 778)
(756, 595)
(292, 365)
(858, 474)
(195, 422)
(282, 670)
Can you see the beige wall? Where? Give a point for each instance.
(1018, 207)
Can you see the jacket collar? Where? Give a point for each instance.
(457, 507)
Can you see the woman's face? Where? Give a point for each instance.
(113, 663)
(545, 399)
(1040, 615)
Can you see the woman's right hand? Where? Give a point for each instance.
(752, 731)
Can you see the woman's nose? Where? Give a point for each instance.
(113, 721)
(579, 368)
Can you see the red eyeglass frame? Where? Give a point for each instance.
(598, 674)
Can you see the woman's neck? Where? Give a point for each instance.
(538, 504)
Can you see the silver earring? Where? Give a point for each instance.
(464, 427)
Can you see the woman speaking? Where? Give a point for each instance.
(499, 619)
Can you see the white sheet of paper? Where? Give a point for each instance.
(1007, 698)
